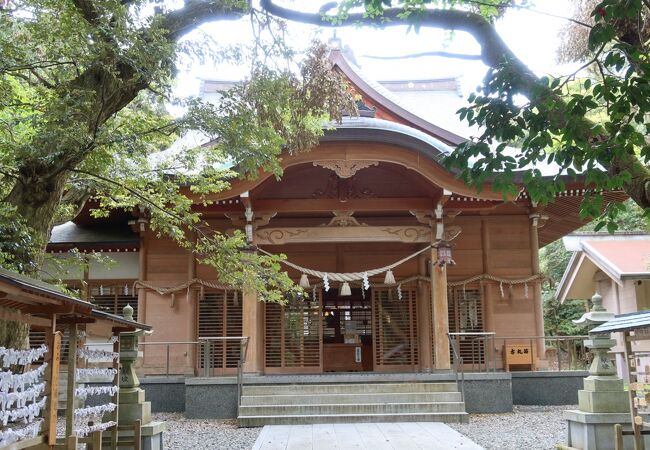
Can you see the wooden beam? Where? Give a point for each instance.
(49, 309)
(73, 320)
(16, 316)
(118, 330)
(357, 204)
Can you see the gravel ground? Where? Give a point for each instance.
(204, 434)
(528, 427)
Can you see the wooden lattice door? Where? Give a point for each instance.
(466, 316)
(113, 298)
(394, 329)
(220, 316)
(294, 335)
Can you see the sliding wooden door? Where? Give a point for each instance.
(394, 329)
(294, 335)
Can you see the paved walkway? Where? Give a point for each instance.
(363, 436)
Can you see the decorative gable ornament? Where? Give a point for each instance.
(346, 168)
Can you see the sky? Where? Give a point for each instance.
(532, 36)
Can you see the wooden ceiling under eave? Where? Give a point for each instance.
(564, 215)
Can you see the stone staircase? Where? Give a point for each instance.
(277, 404)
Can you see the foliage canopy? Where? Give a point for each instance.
(83, 85)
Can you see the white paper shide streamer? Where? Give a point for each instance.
(96, 372)
(97, 355)
(11, 357)
(85, 392)
(21, 394)
(85, 430)
(88, 420)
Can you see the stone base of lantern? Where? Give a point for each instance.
(595, 431)
(603, 394)
(151, 436)
(132, 407)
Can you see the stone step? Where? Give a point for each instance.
(348, 388)
(352, 409)
(325, 399)
(257, 421)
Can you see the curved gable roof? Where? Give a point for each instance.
(375, 93)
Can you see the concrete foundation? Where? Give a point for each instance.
(484, 392)
(547, 388)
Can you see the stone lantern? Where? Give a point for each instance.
(603, 402)
(132, 404)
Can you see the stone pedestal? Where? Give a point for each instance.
(603, 395)
(595, 431)
(152, 436)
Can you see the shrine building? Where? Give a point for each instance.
(356, 218)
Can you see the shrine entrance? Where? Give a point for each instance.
(375, 330)
(367, 331)
(347, 332)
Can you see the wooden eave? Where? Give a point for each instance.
(39, 302)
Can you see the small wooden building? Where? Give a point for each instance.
(617, 267)
(31, 377)
(372, 193)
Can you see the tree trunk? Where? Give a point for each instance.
(36, 199)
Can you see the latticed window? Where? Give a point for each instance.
(466, 316)
(220, 316)
(114, 297)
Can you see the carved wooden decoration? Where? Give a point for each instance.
(346, 168)
(362, 233)
(451, 232)
(344, 219)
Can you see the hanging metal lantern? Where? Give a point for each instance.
(444, 254)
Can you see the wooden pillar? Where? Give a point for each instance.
(73, 346)
(253, 328)
(424, 318)
(538, 308)
(488, 307)
(193, 316)
(142, 276)
(53, 358)
(440, 313)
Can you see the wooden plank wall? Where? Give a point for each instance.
(498, 245)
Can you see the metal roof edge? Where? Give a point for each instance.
(603, 263)
(563, 286)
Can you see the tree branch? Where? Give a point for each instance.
(88, 10)
(494, 51)
(197, 12)
(431, 53)
(495, 54)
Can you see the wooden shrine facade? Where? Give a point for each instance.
(371, 194)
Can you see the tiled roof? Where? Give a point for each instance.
(70, 232)
(625, 257)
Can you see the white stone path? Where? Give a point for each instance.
(363, 436)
